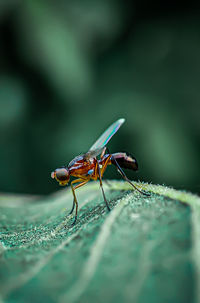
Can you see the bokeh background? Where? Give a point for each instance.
(68, 69)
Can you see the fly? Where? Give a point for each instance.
(87, 167)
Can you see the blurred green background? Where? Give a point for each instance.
(68, 69)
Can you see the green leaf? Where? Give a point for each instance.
(147, 249)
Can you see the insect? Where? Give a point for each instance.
(87, 167)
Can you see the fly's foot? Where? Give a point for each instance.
(75, 219)
(71, 211)
(108, 207)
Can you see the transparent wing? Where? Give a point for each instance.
(93, 153)
(98, 146)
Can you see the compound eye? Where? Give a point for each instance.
(61, 174)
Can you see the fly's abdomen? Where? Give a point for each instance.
(125, 160)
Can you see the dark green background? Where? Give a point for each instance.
(68, 69)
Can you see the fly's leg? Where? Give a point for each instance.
(103, 170)
(105, 165)
(125, 177)
(100, 180)
(73, 205)
(71, 211)
(75, 202)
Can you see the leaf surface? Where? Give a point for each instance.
(147, 249)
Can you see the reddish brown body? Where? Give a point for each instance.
(87, 167)
(82, 167)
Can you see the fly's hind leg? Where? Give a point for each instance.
(127, 179)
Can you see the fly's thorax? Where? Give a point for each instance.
(62, 175)
(82, 166)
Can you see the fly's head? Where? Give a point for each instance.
(61, 175)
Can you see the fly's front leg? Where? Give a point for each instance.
(73, 205)
(100, 180)
(75, 202)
